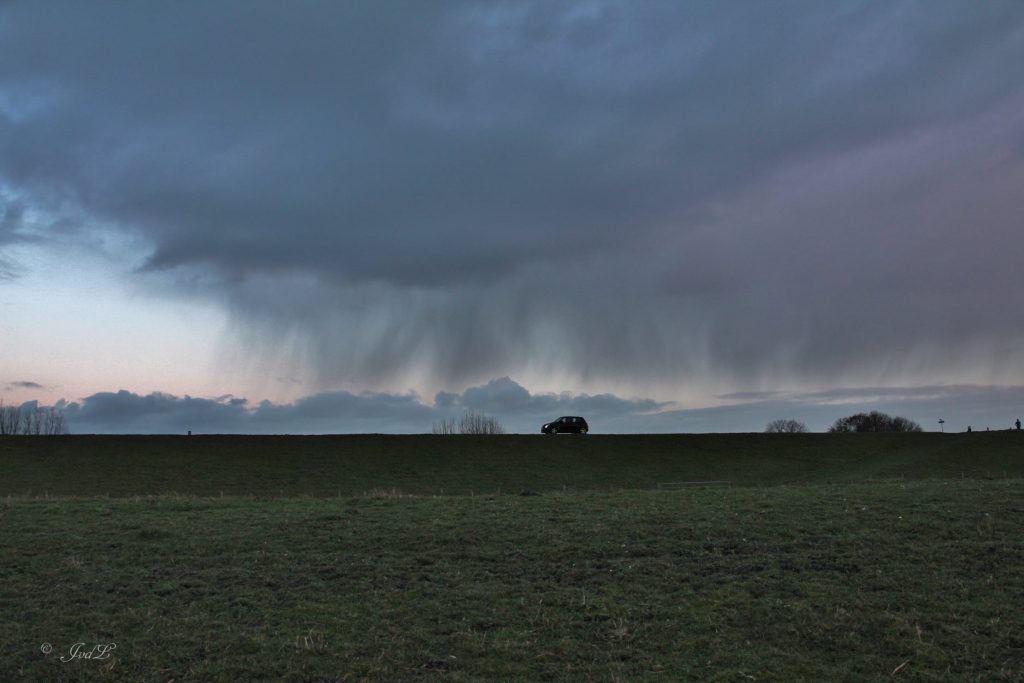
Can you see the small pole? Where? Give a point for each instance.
(941, 427)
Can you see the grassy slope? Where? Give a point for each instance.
(353, 465)
(840, 582)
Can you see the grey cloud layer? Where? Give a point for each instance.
(340, 411)
(660, 192)
(521, 411)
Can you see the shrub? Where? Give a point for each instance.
(785, 427)
(874, 422)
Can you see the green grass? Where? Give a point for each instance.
(787, 583)
(281, 466)
(835, 557)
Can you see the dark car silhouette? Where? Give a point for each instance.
(566, 425)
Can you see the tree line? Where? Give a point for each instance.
(32, 420)
(874, 421)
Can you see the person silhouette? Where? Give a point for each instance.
(1018, 424)
(968, 429)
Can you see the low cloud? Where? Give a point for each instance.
(24, 384)
(980, 407)
(521, 411)
(128, 412)
(749, 395)
(344, 412)
(503, 396)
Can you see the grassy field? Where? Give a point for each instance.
(282, 466)
(907, 565)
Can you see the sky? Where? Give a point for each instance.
(364, 216)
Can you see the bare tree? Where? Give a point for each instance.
(471, 422)
(32, 420)
(785, 427)
(478, 423)
(54, 422)
(15, 420)
(9, 419)
(447, 425)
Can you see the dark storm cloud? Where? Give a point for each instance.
(626, 191)
(9, 270)
(11, 213)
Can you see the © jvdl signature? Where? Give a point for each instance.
(79, 651)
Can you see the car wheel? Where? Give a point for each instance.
(583, 432)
